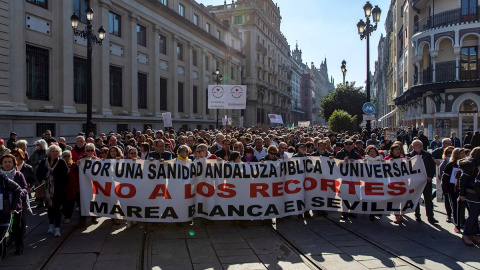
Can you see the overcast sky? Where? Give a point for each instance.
(328, 28)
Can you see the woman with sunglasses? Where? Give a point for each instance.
(38, 155)
(90, 154)
(132, 154)
(272, 152)
(114, 152)
(449, 186)
(9, 167)
(395, 153)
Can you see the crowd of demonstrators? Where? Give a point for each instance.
(51, 172)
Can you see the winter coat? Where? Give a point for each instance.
(36, 157)
(9, 189)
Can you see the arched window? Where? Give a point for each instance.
(468, 106)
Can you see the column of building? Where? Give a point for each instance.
(188, 86)
(17, 52)
(154, 94)
(65, 52)
(101, 84)
(131, 55)
(173, 96)
(203, 85)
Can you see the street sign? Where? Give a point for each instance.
(368, 108)
(367, 117)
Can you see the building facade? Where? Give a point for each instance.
(267, 63)
(297, 69)
(438, 86)
(157, 56)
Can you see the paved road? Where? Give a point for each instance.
(291, 243)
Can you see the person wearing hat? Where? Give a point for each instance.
(359, 147)
(302, 150)
(12, 141)
(3, 149)
(348, 151)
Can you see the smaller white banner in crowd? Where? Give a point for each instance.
(241, 121)
(275, 119)
(227, 97)
(167, 119)
(224, 120)
(370, 117)
(303, 123)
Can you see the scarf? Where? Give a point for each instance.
(49, 182)
(182, 159)
(248, 159)
(10, 174)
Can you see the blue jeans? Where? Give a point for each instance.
(473, 203)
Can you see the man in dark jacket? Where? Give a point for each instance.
(455, 140)
(423, 139)
(159, 153)
(427, 191)
(12, 141)
(348, 153)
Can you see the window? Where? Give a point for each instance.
(163, 44)
(218, 34)
(163, 94)
(194, 57)
(40, 3)
(42, 127)
(232, 73)
(206, 62)
(115, 86)
(142, 90)
(238, 20)
(207, 28)
(164, 2)
(468, 63)
(122, 127)
(114, 24)
(206, 103)
(180, 52)
(80, 80)
(181, 10)
(469, 10)
(195, 99)
(195, 19)
(180, 97)
(38, 67)
(79, 7)
(141, 35)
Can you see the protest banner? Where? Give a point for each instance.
(224, 121)
(167, 119)
(227, 96)
(303, 123)
(175, 191)
(275, 119)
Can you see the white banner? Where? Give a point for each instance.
(167, 119)
(275, 118)
(224, 120)
(174, 191)
(303, 123)
(227, 96)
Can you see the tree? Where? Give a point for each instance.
(341, 120)
(345, 97)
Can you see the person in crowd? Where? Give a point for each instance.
(455, 140)
(408, 137)
(38, 155)
(160, 153)
(99, 143)
(103, 152)
(423, 139)
(302, 150)
(53, 172)
(468, 138)
(321, 150)
(183, 151)
(447, 154)
(73, 187)
(201, 152)
(238, 146)
(469, 192)
(417, 146)
(449, 187)
(436, 143)
(310, 148)
(372, 154)
(3, 150)
(248, 155)
(112, 141)
(11, 204)
(282, 148)
(348, 154)
(48, 137)
(168, 148)
(373, 141)
(8, 165)
(235, 157)
(218, 143)
(22, 144)
(79, 149)
(438, 153)
(475, 142)
(272, 152)
(62, 142)
(359, 147)
(259, 150)
(132, 154)
(395, 152)
(144, 151)
(25, 169)
(114, 152)
(12, 141)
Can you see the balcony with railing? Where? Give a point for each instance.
(449, 17)
(445, 71)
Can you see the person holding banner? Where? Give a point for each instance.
(395, 153)
(224, 152)
(449, 186)
(469, 191)
(201, 152)
(259, 150)
(347, 153)
(9, 167)
(427, 158)
(160, 153)
(321, 151)
(249, 155)
(272, 153)
(11, 202)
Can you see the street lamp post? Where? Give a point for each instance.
(344, 70)
(91, 39)
(261, 92)
(365, 29)
(218, 80)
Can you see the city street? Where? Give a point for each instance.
(291, 243)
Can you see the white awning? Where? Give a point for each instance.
(390, 114)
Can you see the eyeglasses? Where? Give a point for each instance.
(349, 143)
(449, 152)
(90, 150)
(198, 151)
(272, 153)
(132, 153)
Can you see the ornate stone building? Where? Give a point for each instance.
(267, 63)
(436, 48)
(157, 56)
